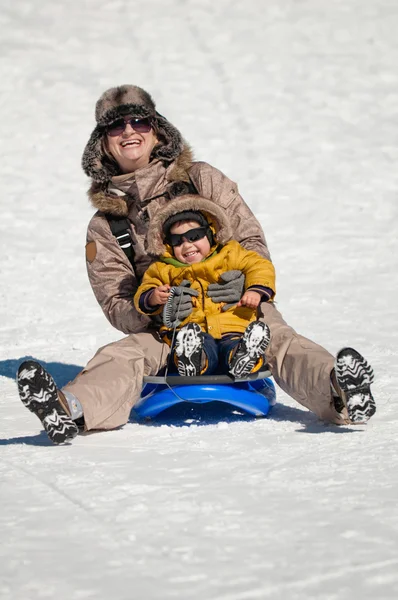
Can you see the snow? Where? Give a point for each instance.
(297, 101)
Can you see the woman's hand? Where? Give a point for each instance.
(250, 299)
(159, 296)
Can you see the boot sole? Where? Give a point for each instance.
(354, 376)
(38, 392)
(189, 348)
(250, 349)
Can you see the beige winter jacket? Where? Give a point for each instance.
(139, 196)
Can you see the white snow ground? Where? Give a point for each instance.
(297, 100)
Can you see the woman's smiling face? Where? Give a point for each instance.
(190, 252)
(131, 149)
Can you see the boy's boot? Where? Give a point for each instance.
(353, 376)
(39, 394)
(251, 347)
(189, 350)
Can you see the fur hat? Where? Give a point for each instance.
(117, 102)
(192, 205)
(123, 100)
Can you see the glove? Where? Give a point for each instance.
(229, 290)
(179, 304)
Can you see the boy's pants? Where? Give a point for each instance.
(111, 383)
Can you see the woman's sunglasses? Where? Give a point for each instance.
(139, 125)
(193, 235)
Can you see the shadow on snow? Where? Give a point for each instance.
(180, 415)
(61, 372)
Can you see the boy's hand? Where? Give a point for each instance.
(250, 299)
(159, 295)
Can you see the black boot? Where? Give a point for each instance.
(39, 394)
(252, 346)
(189, 349)
(354, 376)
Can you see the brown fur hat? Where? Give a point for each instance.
(117, 102)
(129, 99)
(213, 213)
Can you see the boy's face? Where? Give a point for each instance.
(189, 252)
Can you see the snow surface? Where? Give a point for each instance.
(296, 100)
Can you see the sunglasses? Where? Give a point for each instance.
(193, 235)
(139, 125)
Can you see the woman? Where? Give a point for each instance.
(137, 162)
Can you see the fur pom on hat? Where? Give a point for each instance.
(191, 204)
(120, 101)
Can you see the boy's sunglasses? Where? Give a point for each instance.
(193, 235)
(139, 125)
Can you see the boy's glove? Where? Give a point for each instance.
(229, 290)
(179, 304)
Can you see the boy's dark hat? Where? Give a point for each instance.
(185, 215)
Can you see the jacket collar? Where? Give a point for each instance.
(146, 183)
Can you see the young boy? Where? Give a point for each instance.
(199, 249)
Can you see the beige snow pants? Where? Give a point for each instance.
(111, 383)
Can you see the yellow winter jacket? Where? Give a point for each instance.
(208, 314)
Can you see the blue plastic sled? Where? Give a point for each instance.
(254, 394)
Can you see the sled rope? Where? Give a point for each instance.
(172, 292)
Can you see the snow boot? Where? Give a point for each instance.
(189, 350)
(354, 376)
(251, 347)
(39, 394)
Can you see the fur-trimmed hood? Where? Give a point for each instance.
(134, 101)
(214, 214)
(151, 181)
